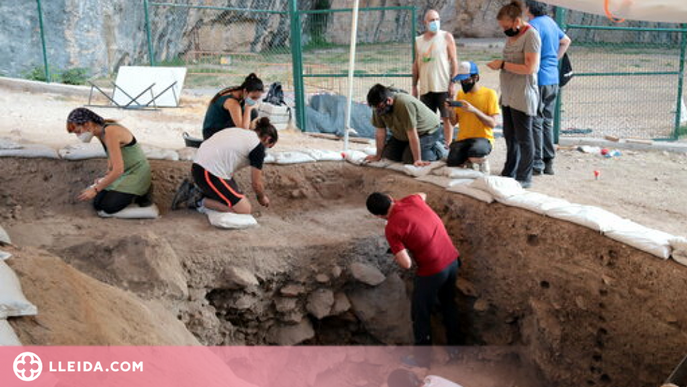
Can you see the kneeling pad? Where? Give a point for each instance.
(230, 220)
(133, 211)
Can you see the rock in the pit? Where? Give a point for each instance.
(290, 334)
(239, 278)
(466, 287)
(481, 305)
(341, 304)
(292, 290)
(336, 271)
(322, 278)
(384, 310)
(320, 303)
(366, 274)
(285, 304)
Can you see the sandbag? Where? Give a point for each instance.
(7, 335)
(12, 300)
(133, 211)
(324, 155)
(396, 166)
(652, 241)
(371, 150)
(7, 143)
(83, 151)
(292, 157)
(458, 173)
(591, 217)
(534, 201)
(187, 154)
(155, 153)
(270, 159)
(4, 237)
(355, 157)
(679, 249)
(499, 187)
(31, 151)
(4, 255)
(443, 181)
(465, 189)
(414, 171)
(383, 163)
(230, 220)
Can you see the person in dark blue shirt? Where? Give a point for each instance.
(554, 43)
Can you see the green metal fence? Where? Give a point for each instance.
(628, 78)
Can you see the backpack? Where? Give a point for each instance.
(275, 95)
(565, 71)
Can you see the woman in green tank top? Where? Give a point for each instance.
(128, 177)
(233, 107)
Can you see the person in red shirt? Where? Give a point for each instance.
(414, 229)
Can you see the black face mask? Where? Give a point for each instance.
(467, 86)
(512, 32)
(385, 110)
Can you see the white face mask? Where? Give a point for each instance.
(85, 136)
(434, 25)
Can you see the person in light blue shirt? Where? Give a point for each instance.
(554, 43)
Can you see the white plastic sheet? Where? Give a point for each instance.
(292, 158)
(324, 155)
(83, 151)
(31, 151)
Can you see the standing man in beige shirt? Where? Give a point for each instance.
(434, 68)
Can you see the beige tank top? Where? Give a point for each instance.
(434, 67)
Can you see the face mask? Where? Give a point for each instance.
(385, 110)
(434, 25)
(85, 136)
(467, 86)
(512, 32)
(250, 101)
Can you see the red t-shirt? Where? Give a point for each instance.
(414, 226)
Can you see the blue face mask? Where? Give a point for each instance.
(250, 101)
(434, 25)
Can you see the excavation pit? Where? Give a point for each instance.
(581, 308)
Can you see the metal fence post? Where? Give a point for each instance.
(680, 81)
(560, 20)
(297, 61)
(45, 52)
(413, 25)
(151, 55)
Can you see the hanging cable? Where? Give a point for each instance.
(610, 15)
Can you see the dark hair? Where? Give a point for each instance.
(512, 10)
(80, 116)
(378, 94)
(378, 203)
(537, 8)
(250, 84)
(402, 378)
(263, 127)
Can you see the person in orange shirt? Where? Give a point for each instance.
(476, 109)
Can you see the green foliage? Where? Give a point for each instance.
(74, 76)
(35, 74)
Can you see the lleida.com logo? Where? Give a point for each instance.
(27, 366)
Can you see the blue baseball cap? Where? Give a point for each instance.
(466, 70)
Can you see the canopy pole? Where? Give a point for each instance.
(351, 68)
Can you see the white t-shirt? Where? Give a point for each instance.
(229, 150)
(438, 381)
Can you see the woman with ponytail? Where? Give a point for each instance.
(519, 91)
(215, 163)
(233, 107)
(128, 177)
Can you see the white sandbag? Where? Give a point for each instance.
(31, 151)
(396, 166)
(4, 237)
(443, 181)
(458, 173)
(155, 153)
(270, 159)
(414, 171)
(230, 220)
(292, 157)
(187, 154)
(591, 217)
(679, 248)
(499, 187)
(4, 255)
(83, 151)
(652, 241)
(324, 155)
(370, 150)
(383, 163)
(7, 143)
(534, 201)
(133, 211)
(7, 335)
(465, 189)
(12, 300)
(355, 157)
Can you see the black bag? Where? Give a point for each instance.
(275, 95)
(565, 71)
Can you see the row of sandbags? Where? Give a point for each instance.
(13, 303)
(80, 151)
(509, 192)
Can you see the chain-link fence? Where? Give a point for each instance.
(628, 78)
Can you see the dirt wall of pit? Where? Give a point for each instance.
(589, 310)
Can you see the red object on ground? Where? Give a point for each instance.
(596, 175)
(604, 151)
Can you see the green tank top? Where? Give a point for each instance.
(136, 178)
(217, 117)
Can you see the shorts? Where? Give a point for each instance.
(436, 101)
(213, 187)
(462, 150)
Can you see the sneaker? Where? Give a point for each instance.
(525, 184)
(195, 197)
(182, 195)
(548, 167)
(536, 172)
(485, 168)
